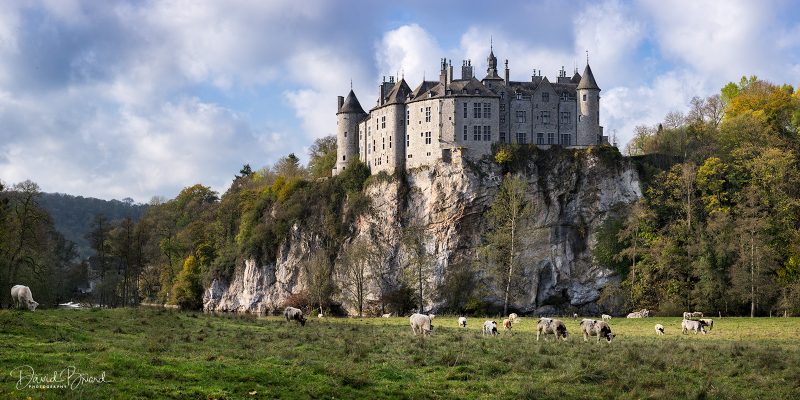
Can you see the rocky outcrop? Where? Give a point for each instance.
(572, 193)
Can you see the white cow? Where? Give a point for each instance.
(490, 328)
(462, 322)
(592, 327)
(513, 317)
(21, 295)
(389, 315)
(693, 326)
(605, 317)
(421, 324)
(659, 329)
(294, 314)
(709, 322)
(554, 326)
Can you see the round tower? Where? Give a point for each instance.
(348, 115)
(588, 110)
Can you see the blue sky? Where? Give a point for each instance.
(142, 98)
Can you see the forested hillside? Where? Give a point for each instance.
(73, 215)
(718, 227)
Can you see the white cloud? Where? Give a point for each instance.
(410, 51)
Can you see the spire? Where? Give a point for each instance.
(491, 63)
(587, 80)
(351, 104)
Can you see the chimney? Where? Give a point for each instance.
(507, 72)
(466, 70)
(340, 102)
(382, 97)
(449, 72)
(443, 71)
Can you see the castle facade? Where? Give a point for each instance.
(463, 117)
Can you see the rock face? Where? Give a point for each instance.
(572, 193)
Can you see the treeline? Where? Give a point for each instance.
(73, 215)
(718, 229)
(32, 251)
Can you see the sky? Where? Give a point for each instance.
(115, 99)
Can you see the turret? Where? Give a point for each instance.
(348, 115)
(588, 92)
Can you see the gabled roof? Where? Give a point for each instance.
(576, 78)
(471, 87)
(587, 81)
(351, 104)
(423, 88)
(399, 93)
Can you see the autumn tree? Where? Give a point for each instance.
(508, 219)
(322, 157)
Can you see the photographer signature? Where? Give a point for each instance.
(67, 378)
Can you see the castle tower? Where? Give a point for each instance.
(491, 66)
(348, 115)
(588, 110)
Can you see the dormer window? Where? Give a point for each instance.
(519, 96)
(477, 91)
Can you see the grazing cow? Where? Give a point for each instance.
(709, 322)
(490, 328)
(462, 322)
(634, 314)
(605, 317)
(507, 326)
(513, 317)
(697, 314)
(692, 325)
(687, 315)
(294, 314)
(421, 324)
(592, 327)
(21, 295)
(659, 329)
(389, 315)
(554, 326)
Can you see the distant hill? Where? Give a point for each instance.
(73, 215)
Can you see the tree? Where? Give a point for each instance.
(418, 263)
(318, 277)
(508, 219)
(755, 260)
(188, 289)
(354, 273)
(322, 157)
(289, 167)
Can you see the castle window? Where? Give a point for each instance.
(487, 133)
(465, 109)
(502, 119)
(520, 116)
(476, 110)
(408, 117)
(502, 107)
(344, 158)
(383, 122)
(390, 142)
(519, 96)
(383, 143)
(465, 133)
(584, 97)
(564, 139)
(550, 137)
(410, 156)
(540, 138)
(477, 91)
(408, 141)
(545, 97)
(565, 117)
(427, 138)
(487, 110)
(502, 95)
(564, 96)
(545, 117)
(522, 138)
(345, 134)
(502, 137)
(476, 133)
(427, 114)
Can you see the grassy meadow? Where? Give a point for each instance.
(153, 353)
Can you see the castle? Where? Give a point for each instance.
(464, 117)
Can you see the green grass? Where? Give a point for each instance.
(158, 353)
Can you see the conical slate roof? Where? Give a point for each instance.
(587, 80)
(351, 104)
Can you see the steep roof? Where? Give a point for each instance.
(351, 104)
(587, 81)
(576, 78)
(398, 93)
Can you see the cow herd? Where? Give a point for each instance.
(422, 324)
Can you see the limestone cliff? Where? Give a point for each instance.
(572, 193)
